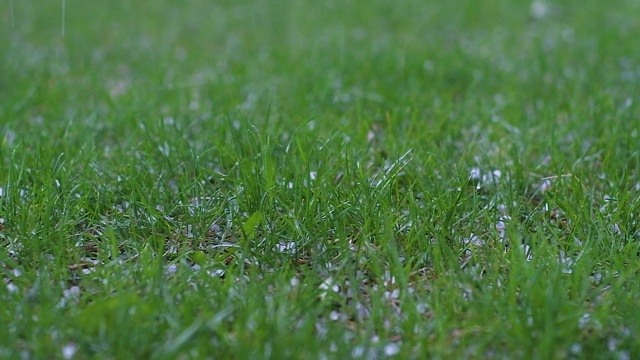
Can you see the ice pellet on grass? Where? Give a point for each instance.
(391, 349)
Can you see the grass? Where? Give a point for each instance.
(261, 179)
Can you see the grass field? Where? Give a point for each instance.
(319, 179)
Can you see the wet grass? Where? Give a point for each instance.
(244, 179)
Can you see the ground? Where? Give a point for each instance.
(263, 179)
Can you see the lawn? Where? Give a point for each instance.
(319, 179)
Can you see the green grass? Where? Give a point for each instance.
(336, 179)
